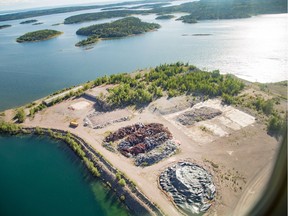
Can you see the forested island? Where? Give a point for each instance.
(29, 21)
(210, 9)
(4, 26)
(38, 35)
(44, 12)
(119, 28)
(101, 15)
(168, 16)
(198, 10)
(38, 23)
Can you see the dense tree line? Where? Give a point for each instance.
(171, 79)
(119, 28)
(203, 9)
(38, 35)
(198, 10)
(225, 9)
(44, 12)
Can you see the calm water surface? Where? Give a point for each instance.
(254, 49)
(43, 177)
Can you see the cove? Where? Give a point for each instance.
(41, 176)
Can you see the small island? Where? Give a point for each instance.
(4, 26)
(38, 35)
(29, 21)
(38, 23)
(117, 29)
(165, 17)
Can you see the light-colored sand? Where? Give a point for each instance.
(79, 105)
(234, 142)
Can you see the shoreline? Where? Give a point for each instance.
(48, 38)
(148, 196)
(134, 199)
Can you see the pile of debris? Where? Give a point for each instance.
(196, 115)
(148, 143)
(166, 150)
(190, 186)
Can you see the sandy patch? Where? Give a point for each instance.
(79, 105)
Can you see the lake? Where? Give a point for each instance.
(254, 49)
(40, 176)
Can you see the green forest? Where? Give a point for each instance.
(119, 28)
(198, 10)
(226, 9)
(44, 12)
(38, 35)
(169, 79)
(101, 15)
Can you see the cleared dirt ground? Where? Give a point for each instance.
(232, 146)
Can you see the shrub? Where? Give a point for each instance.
(122, 182)
(122, 197)
(276, 125)
(20, 115)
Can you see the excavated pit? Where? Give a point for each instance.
(190, 186)
(146, 143)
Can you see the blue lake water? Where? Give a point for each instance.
(40, 176)
(254, 49)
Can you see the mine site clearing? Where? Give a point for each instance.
(228, 144)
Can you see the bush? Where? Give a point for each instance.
(10, 128)
(122, 197)
(122, 182)
(276, 125)
(20, 115)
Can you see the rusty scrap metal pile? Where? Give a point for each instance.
(139, 138)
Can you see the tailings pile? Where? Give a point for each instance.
(196, 115)
(190, 186)
(146, 143)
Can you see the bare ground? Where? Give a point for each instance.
(235, 157)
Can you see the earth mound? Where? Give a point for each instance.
(190, 186)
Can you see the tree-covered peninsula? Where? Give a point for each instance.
(38, 35)
(119, 28)
(198, 10)
(225, 9)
